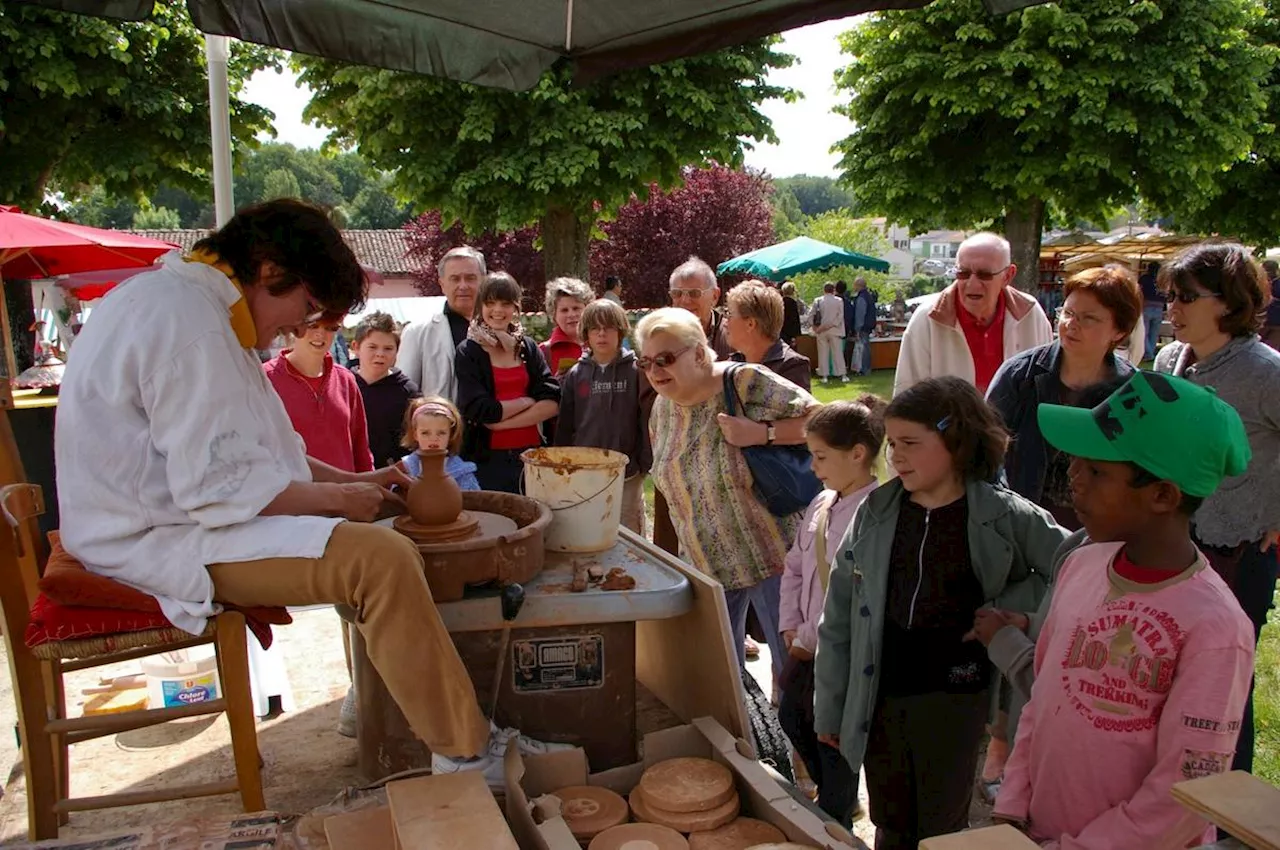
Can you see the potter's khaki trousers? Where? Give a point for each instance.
(379, 573)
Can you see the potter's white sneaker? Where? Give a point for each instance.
(490, 766)
(499, 738)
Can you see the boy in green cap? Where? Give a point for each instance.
(1144, 661)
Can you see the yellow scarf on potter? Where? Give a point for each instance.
(241, 318)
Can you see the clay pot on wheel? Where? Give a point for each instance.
(434, 499)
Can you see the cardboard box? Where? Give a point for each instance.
(447, 812)
(535, 819)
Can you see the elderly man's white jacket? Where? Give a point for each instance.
(170, 441)
(426, 354)
(934, 344)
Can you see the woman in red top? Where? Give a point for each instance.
(505, 390)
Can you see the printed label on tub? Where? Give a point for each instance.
(188, 691)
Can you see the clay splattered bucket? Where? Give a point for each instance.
(583, 488)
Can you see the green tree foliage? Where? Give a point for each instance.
(88, 101)
(375, 208)
(1244, 201)
(280, 183)
(156, 218)
(840, 227)
(1086, 103)
(788, 218)
(816, 195)
(559, 155)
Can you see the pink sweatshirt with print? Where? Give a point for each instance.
(802, 595)
(1138, 687)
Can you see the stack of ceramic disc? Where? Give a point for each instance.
(737, 834)
(639, 836)
(686, 794)
(589, 810)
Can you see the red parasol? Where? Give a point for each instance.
(32, 248)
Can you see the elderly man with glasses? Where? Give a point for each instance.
(975, 324)
(693, 287)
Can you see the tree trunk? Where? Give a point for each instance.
(22, 314)
(566, 240)
(1023, 220)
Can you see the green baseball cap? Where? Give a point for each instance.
(1176, 430)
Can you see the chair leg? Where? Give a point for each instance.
(61, 752)
(233, 659)
(31, 694)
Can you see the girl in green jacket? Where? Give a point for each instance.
(898, 689)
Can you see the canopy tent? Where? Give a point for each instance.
(502, 43)
(499, 43)
(1127, 250)
(403, 310)
(802, 254)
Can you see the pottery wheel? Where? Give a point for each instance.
(468, 525)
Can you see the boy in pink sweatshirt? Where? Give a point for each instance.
(1144, 661)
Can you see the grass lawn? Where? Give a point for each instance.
(1266, 705)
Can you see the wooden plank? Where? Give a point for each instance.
(454, 811)
(1243, 805)
(689, 662)
(367, 829)
(1000, 837)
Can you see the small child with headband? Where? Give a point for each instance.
(433, 424)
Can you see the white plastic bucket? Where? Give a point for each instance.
(583, 488)
(181, 678)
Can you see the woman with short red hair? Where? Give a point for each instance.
(1079, 368)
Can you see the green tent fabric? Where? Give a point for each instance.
(802, 254)
(499, 43)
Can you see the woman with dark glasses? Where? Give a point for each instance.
(1217, 297)
(724, 531)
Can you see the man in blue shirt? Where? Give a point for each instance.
(864, 322)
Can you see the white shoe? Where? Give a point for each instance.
(500, 738)
(347, 714)
(490, 766)
(844, 379)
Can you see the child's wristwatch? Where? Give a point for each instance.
(770, 433)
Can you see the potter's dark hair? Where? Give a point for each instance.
(300, 239)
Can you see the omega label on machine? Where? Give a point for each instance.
(557, 664)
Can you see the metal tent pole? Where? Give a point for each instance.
(217, 50)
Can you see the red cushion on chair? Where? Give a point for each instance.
(76, 603)
(51, 621)
(67, 582)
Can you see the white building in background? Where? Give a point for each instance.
(899, 257)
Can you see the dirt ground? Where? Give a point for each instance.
(308, 764)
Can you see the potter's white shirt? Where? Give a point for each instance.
(170, 441)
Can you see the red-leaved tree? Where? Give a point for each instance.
(717, 214)
(511, 252)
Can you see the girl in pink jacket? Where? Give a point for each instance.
(844, 438)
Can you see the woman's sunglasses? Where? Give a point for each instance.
(663, 360)
(1184, 297)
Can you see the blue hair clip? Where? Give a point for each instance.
(943, 424)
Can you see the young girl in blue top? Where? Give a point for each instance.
(898, 689)
(433, 423)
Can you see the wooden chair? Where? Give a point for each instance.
(46, 733)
